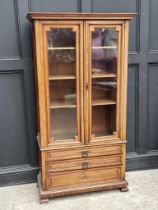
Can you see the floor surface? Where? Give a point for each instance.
(142, 195)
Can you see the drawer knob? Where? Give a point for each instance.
(84, 153)
(84, 165)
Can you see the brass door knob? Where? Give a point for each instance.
(84, 153)
(84, 165)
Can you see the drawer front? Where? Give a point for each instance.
(77, 164)
(88, 176)
(83, 152)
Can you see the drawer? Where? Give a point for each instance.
(83, 152)
(83, 177)
(78, 164)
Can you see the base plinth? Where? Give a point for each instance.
(45, 195)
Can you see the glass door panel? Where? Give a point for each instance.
(61, 53)
(103, 120)
(63, 108)
(104, 75)
(63, 84)
(104, 52)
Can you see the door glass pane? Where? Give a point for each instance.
(62, 82)
(63, 123)
(104, 120)
(61, 52)
(104, 80)
(104, 51)
(62, 94)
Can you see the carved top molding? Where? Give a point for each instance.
(79, 16)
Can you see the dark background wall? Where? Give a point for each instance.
(18, 148)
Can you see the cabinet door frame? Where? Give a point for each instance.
(120, 133)
(45, 128)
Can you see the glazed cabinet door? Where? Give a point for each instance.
(62, 65)
(103, 89)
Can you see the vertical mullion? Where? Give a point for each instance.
(78, 108)
(119, 67)
(86, 69)
(90, 29)
(81, 80)
(46, 72)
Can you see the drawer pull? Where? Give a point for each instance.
(84, 153)
(84, 165)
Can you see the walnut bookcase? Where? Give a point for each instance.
(81, 91)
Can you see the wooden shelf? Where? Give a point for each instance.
(105, 84)
(103, 75)
(102, 101)
(61, 48)
(57, 104)
(104, 47)
(62, 77)
(105, 59)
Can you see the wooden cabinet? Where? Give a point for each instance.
(81, 83)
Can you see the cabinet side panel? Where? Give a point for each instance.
(40, 96)
(36, 83)
(40, 83)
(125, 35)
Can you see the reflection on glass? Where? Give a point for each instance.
(104, 91)
(62, 82)
(63, 123)
(104, 51)
(104, 81)
(61, 52)
(104, 37)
